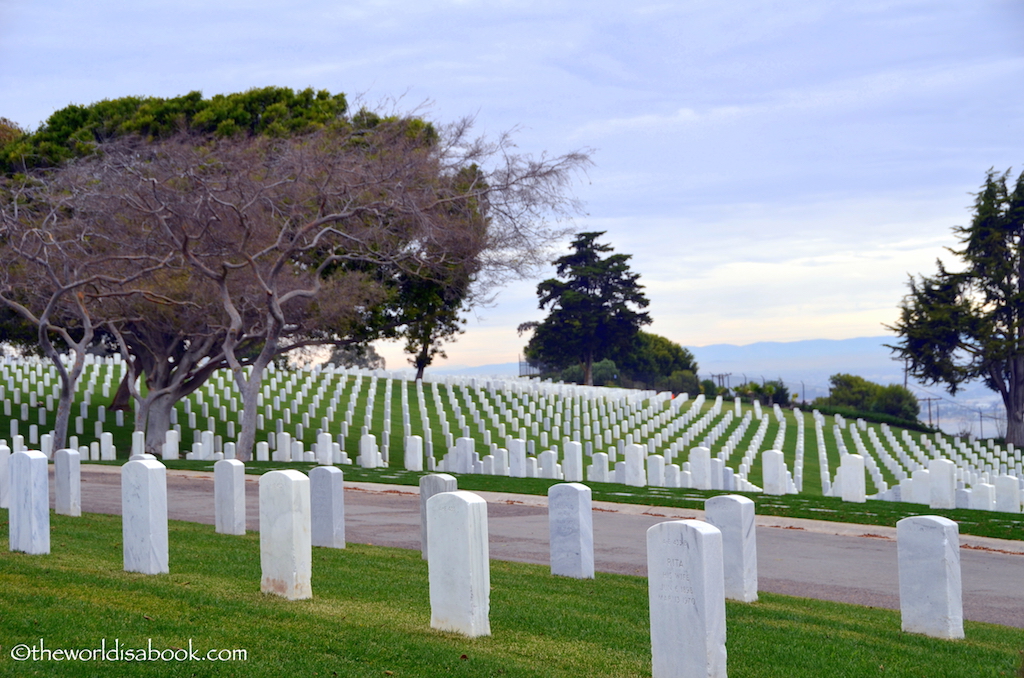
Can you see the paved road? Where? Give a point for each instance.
(813, 559)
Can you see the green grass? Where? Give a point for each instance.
(370, 617)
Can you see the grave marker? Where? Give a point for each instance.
(459, 569)
(327, 506)
(571, 530)
(686, 592)
(144, 516)
(286, 553)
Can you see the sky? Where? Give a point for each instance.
(776, 169)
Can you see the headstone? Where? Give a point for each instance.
(571, 530)
(67, 483)
(733, 515)
(413, 453)
(572, 462)
(928, 548)
(327, 506)
(942, 481)
(430, 485)
(286, 554)
(635, 474)
(459, 568)
(773, 472)
(853, 489)
(229, 496)
(700, 468)
(517, 458)
(686, 592)
(29, 511)
(5, 478)
(324, 449)
(144, 516)
(1007, 494)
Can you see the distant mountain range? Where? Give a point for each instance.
(805, 367)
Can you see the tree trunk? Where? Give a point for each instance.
(588, 371)
(250, 389)
(122, 397)
(158, 422)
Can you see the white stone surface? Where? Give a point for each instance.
(67, 483)
(700, 468)
(1007, 494)
(571, 530)
(413, 453)
(572, 462)
(5, 478)
(144, 516)
(327, 506)
(928, 549)
(171, 442)
(854, 488)
(773, 472)
(229, 496)
(686, 592)
(286, 553)
(733, 515)
(636, 474)
(432, 484)
(324, 449)
(29, 514)
(517, 458)
(459, 566)
(942, 482)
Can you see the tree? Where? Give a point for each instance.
(354, 355)
(592, 310)
(955, 327)
(55, 261)
(848, 390)
(652, 359)
(276, 242)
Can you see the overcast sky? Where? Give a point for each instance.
(776, 169)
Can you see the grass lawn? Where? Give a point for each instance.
(370, 617)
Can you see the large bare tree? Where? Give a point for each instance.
(268, 245)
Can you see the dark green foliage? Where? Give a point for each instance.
(861, 395)
(592, 314)
(652, 359)
(75, 131)
(769, 393)
(956, 327)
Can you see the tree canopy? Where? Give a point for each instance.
(848, 390)
(959, 326)
(594, 308)
(239, 241)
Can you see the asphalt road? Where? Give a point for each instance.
(813, 559)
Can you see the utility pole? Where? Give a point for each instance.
(929, 401)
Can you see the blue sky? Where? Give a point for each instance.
(776, 169)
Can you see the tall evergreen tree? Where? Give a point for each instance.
(594, 308)
(959, 326)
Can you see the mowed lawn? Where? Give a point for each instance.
(370, 616)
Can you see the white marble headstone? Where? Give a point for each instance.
(733, 515)
(29, 514)
(928, 549)
(432, 484)
(67, 483)
(571, 530)
(686, 592)
(327, 506)
(459, 566)
(286, 553)
(144, 516)
(229, 496)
